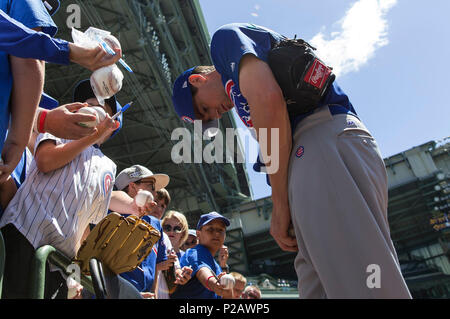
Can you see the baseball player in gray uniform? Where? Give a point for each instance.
(330, 183)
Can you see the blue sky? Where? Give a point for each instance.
(390, 56)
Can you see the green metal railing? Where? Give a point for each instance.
(2, 261)
(56, 258)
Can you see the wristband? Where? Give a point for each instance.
(207, 281)
(42, 117)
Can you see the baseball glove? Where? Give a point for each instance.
(303, 78)
(120, 243)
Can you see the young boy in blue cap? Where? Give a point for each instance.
(204, 284)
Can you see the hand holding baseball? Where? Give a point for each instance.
(227, 281)
(63, 121)
(143, 197)
(93, 58)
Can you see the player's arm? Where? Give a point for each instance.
(122, 203)
(18, 40)
(50, 156)
(268, 110)
(210, 281)
(63, 121)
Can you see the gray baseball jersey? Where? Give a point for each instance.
(55, 208)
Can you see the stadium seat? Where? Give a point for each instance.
(108, 285)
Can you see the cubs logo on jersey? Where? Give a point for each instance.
(300, 151)
(239, 102)
(107, 182)
(187, 119)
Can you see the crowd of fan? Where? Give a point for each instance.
(56, 184)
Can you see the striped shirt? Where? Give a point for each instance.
(55, 208)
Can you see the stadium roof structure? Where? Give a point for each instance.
(159, 39)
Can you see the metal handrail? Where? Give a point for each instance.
(2, 261)
(56, 258)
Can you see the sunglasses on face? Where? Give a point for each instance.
(151, 184)
(168, 228)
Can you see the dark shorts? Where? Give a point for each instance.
(18, 268)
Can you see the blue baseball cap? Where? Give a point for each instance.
(83, 91)
(206, 218)
(48, 102)
(182, 101)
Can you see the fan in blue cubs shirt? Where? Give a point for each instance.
(329, 183)
(206, 272)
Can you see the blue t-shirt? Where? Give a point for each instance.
(143, 278)
(32, 14)
(231, 42)
(197, 258)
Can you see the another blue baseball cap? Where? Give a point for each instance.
(182, 101)
(83, 91)
(206, 218)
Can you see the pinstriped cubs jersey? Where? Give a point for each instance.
(55, 208)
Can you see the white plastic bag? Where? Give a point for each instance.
(106, 81)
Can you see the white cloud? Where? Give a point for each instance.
(254, 14)
(363, 30)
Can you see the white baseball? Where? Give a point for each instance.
(143, 197)
(101, 114)
(91, 111)
(106, 82)
(227, 281)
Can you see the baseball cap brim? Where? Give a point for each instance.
(83, 91)
(192, 232)
(205, 219)
(161, 180)
(48, 102)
